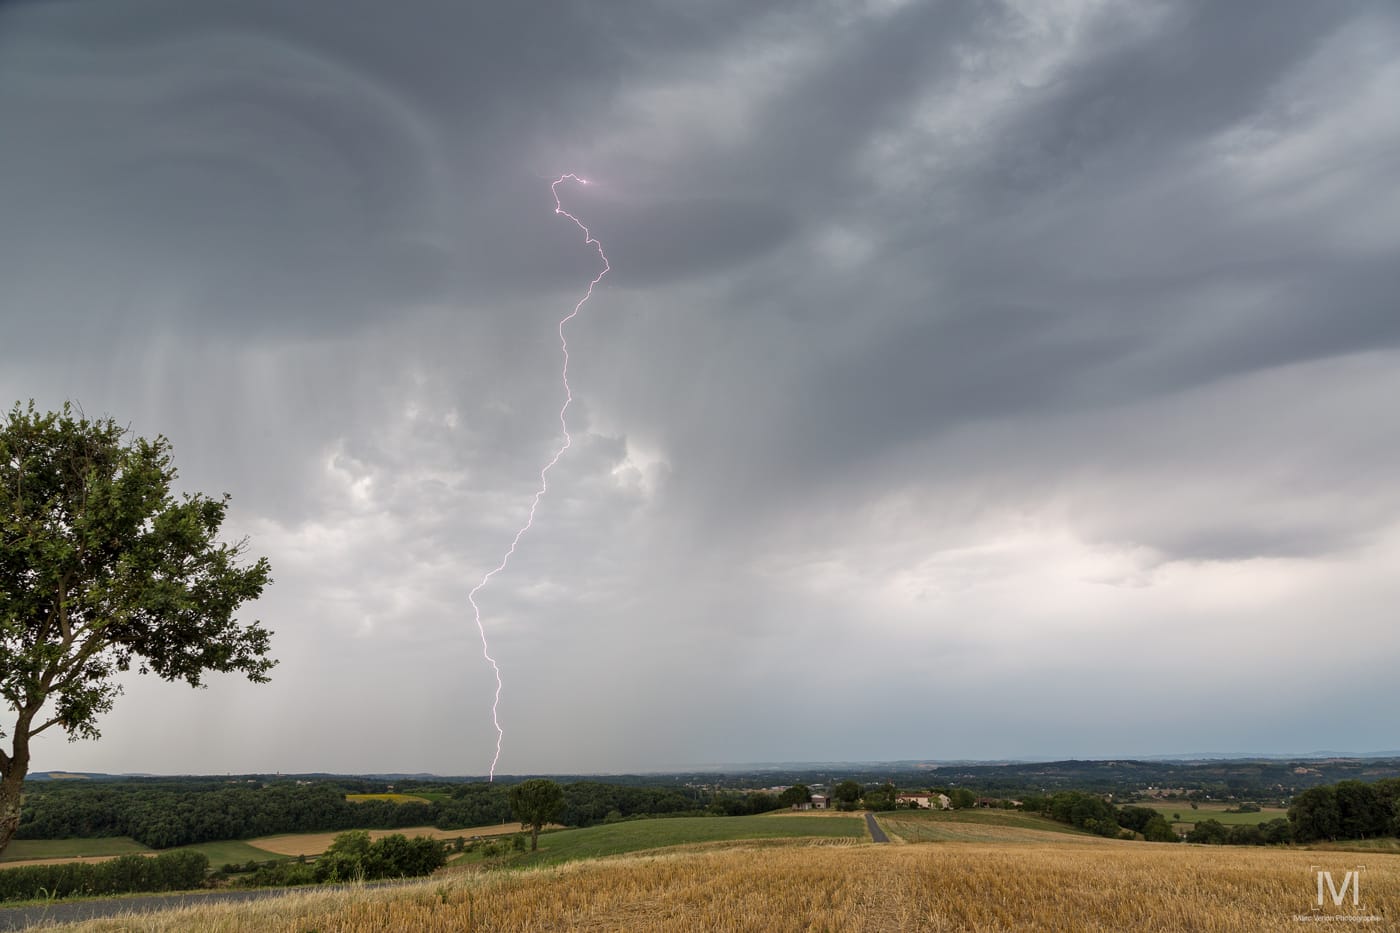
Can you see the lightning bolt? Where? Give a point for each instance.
(589, 240)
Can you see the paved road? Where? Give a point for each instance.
(21, 918)
(876, 832)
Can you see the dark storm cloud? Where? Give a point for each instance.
(1000, 332)
(1149, 95)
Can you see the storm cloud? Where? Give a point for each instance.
(973, 380)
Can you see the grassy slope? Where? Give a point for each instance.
(22, 849)
(233, 850)
(972, 826)
(616, 838)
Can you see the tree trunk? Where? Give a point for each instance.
(11, 791)
(534, 836)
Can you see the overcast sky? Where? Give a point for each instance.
(973, 380)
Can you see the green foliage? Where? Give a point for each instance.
(880, 797)
(846, 795)
(1315, 815)
(102, 567)
(535, 803)
(1277, 831)
(1157, 829)
(172, 871)
(589, 802)
(282, 874)
(352, 857)
(166, 813)
(796, 794)
(962, 798)
(1137, 818)
(1347, 810)
(1085, 811)
(1212, 832)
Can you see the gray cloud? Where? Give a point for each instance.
(951, 353)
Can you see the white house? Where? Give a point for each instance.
(925, 801)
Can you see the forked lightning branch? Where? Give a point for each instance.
(589, 240)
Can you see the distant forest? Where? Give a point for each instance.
(167, 812)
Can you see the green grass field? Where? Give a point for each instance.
(1213, 812)
(23, 849)
(232, 850)
(391, 798)
(565, 845)
(970, 825)
(218, 853)
(1386, 844)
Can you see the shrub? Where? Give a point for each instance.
(172, 871)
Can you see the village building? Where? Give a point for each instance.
(924, 801)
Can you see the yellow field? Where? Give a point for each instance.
(315, 843)
(392, 798)
(1096, 886)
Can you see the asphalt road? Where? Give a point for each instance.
(876, 832)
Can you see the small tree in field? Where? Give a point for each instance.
(794, 795)
(101, 566)
(535, 803)
(846, 794)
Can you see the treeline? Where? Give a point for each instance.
(172, 871)
(166, 815)
(1347, 810)
(1094, 814)
(163, 817)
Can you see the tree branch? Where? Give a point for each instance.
(52, 722)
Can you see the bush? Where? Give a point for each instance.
(1159, 830)
(352, 857)
(172, 871)
(1211, 832)
(281, 875)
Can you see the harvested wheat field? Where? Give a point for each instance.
(819, 887)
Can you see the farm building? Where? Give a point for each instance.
(925, 801)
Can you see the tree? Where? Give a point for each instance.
(102, 566)
(881, 798)
(797, 793)
(1211, 832)
(1158, 829)
(962, 798)
(1315, 815)
(535, 803)
(846, 794)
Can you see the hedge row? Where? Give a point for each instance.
(172, 871)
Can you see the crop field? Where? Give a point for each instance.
(637, 835)
(976, 826)
(800, 886)
(1216, 812)
(392, 798)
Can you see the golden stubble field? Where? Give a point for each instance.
(1099, 886)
